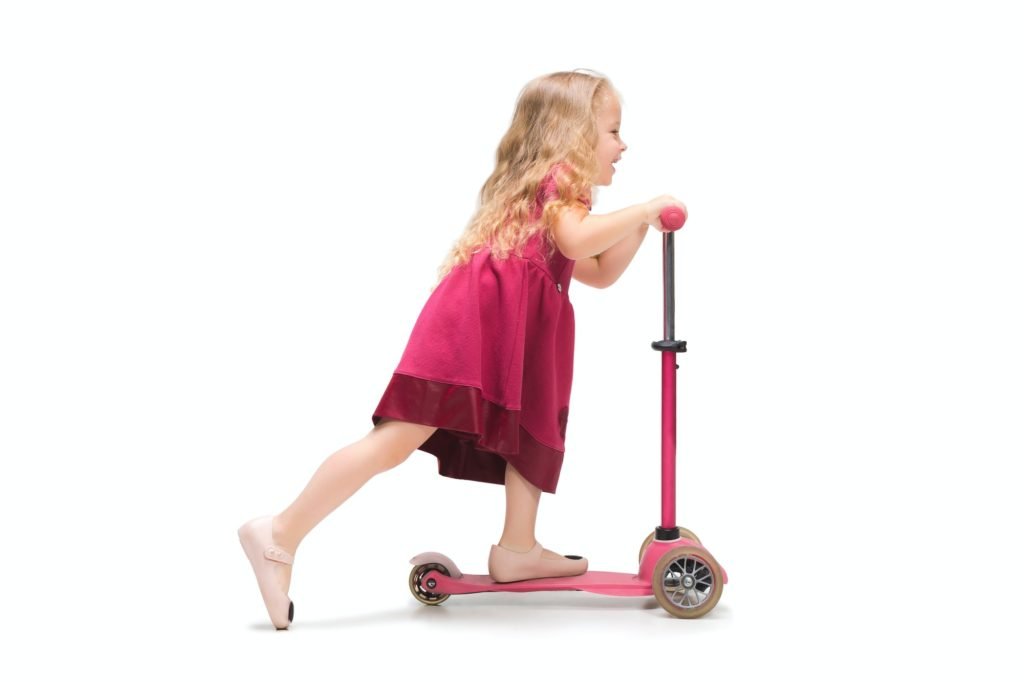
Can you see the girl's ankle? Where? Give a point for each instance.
(520, 547)
(282, 537)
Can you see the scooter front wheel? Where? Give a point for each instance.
(423, 592)
(688, 582)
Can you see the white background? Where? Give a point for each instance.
(220, 221)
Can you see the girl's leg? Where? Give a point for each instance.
(389, 444)
(521, 501)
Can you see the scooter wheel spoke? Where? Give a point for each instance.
(688, 582)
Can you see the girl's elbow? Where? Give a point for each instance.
(603, 281)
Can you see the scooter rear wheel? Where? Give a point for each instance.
(422, 592)
(688, 582)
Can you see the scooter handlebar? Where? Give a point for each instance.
(672, 218)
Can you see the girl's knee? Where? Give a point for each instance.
(399, 439)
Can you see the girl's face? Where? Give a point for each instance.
(609, 145)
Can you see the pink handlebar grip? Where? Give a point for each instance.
(672, 218)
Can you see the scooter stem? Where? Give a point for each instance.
(668, 347)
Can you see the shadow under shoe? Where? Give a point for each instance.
(507, 566)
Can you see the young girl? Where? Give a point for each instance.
(485, 379)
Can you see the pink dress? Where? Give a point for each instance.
(489, 362)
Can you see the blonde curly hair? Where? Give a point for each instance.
(555, 122)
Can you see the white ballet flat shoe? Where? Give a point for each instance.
(508, 566)
(257, 540)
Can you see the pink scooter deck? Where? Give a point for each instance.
(598, 582)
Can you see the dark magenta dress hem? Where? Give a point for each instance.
(475, 437)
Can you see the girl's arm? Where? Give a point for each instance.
(586, 271)
(613, 261)
(580, 235)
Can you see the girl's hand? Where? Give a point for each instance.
(656, 206)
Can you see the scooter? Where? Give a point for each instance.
(675, 567)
